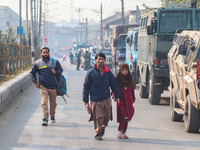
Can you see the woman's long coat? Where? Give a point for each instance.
(125, 105)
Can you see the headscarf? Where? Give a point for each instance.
(124, 81)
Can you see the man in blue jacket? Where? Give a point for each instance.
(97, 84)
(48, 69)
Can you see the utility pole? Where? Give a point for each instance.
(27, 23)
(166, 3)
(20, 21)
(101, 26)
(123, 20)
(32, 37)
(40, 16)
(86, 31)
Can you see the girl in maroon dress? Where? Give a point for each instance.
(125, 109)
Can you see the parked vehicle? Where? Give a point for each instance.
(185, 79)
(131, 53)
(155, 36)
(93, 51)
(107, 52)
(119, 34)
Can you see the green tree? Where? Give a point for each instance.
(10, 36)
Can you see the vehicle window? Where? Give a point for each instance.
(106, 51)
(171, 20)
(197, 18)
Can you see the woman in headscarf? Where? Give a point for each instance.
(125, 109)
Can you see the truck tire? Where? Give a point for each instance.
(143, 90)
(154, 91)
(174, 104)
(191, 117)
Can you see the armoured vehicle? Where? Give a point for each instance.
(119, 34)
(131, 52)
(155, 37)
(185, 79)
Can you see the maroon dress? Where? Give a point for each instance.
(125, 109)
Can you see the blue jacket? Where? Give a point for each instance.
(98, 86)
(46, 77)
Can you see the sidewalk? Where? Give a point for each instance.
(12, 88)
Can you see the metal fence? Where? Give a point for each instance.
(13, 59)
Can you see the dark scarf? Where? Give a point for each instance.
(124, 81)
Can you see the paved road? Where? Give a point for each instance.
(151, 127)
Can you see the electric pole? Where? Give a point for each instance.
(32, 37)
(166, 3)
(40, 16)
(86, 31)
(27, 22)
(101, 26)
(20, 21)
(123, 20)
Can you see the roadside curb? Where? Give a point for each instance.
(13, 88)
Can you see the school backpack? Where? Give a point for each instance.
(61, 84)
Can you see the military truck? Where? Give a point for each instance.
(119, 34)
(155, 37)
(131, 52)
(185, 79)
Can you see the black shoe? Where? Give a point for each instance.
(45, 122)
(102, 131)
(98, 137)
(53, 120)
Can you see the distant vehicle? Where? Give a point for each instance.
(131, 53)
(76, 47)
(185, 79)
(107, 52)
(93, 52)
(119, 34)
(155, 36)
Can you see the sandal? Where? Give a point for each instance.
(119, 135)
(124, 136)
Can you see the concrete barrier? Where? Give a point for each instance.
(12, 88)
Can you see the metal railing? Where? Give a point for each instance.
(13, 59)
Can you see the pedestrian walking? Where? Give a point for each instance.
(125, 109)
(48, 70)
(71, 56)
(97, 84)
(78, 55)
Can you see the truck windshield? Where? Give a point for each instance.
(171, 20)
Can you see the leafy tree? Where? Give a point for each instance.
(10, 36)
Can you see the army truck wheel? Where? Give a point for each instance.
(154, 92)
(174, 104)
(143, 90)
(191, 117)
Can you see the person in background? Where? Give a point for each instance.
(125, 109)
(71, 56)
(97, 84)
(78, 55)
(47, 83)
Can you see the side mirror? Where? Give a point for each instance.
(182, 49)
(114, 42)
(152, 28)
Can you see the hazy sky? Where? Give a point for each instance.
(62, 9)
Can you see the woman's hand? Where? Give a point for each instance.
(116, 100)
